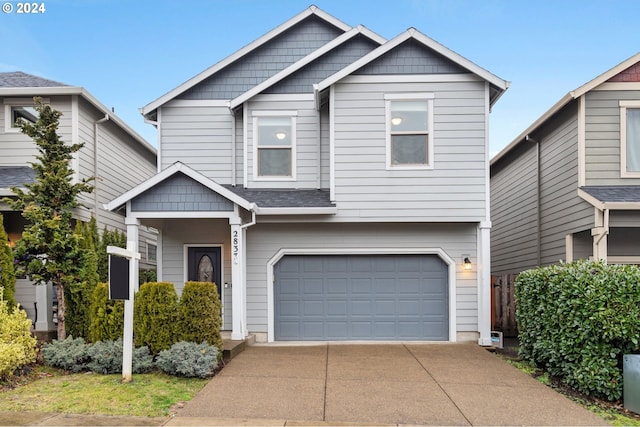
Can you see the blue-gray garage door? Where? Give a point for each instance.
(361, 297)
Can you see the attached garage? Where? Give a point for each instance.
(361, 297)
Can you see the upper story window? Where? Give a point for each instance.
(630, 139)
(409, 131)
(15, 109)
(274, 152)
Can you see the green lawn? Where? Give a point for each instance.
(149, 395)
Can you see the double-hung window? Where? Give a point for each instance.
(409, 131)
(16, 109)
(630, 139)
(274, 155)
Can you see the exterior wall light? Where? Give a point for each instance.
(281, 135)
(467, 263)
(396, 121)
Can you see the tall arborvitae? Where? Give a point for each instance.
(7, 272)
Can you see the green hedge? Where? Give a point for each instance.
(106, 316)
(577, 320)
(155, 315)
(199, 317)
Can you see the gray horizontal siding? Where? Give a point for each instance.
(199, 137)
(306, 142)
(265, 240)
(602, 137)
(453, 191)
(514, 213)
(265, 61)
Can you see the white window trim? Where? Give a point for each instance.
(624, 104)
(430, 133)
(256, 117)
(16, 102)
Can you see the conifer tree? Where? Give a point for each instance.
(49, 251)
(7, 272)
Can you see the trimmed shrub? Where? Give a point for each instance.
(70, 354)
(155, 316)
(7, 270)
(187, 359)
(199, 314)
(577, 320)
(106, 358)
(17, 344)
(106, 316)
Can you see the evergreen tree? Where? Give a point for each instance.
(49, 251)
(7, 272)
(109, 238)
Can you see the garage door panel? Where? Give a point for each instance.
(361, 297)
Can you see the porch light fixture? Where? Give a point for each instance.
(467, 263)
(281, 135)
(396, 121)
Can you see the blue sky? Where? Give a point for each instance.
(128, 53)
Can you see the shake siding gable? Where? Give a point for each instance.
(602, 137)
(265, 61)
(454, 190)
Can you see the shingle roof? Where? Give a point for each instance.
(284, 198)
(11, 176)
(20, 79)
(614, 193)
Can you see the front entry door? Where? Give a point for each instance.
(205, 266)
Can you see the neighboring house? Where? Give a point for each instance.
(568, 187)
(331, 182)
(116, 155)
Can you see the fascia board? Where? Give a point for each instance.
(297, 211)
(171, 170)
(240, 53)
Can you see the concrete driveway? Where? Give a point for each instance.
(425, 384)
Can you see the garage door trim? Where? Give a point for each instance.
(360, 251)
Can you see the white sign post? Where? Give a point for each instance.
(127, 338)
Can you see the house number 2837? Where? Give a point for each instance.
(236, 247)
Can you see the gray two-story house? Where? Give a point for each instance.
(568, 187)
(113, 153)
(333, 183)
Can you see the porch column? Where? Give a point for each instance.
(599, 234)
(238, 325)
(44, 298)
(484, 283)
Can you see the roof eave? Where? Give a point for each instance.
(332, 210)
(312, 10)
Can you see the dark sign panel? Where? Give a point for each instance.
(118, 277)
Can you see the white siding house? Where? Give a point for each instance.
(338, 182)
(113, 153)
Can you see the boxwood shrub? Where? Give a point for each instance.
(199, 314)
(577, 320)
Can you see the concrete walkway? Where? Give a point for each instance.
(368, 384)
(423, 384)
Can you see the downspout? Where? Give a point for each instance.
(95, 164)
(538, 202)
(233, 146)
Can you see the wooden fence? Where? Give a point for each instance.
(503, 305)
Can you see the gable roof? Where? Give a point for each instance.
(499, 84)
(572, 95)
(312, 10)
(305, 61)
(18, 83)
